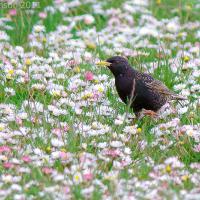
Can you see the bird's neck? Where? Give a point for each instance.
(126, 73)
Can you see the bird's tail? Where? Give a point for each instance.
(178, 97)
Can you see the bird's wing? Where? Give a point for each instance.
(143, 76)
(152, 84)
(159, 87)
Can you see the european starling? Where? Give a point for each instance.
(139, 90)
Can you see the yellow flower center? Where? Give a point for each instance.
(28, 62)
(48, 149)
(100, 89)
(185, 177)
(63, 150)
(168, 169)
(1, 127)
(181, 142)
(77, 69)
(186, 58)
(139, 130)
(90, 45)
(87, 96)
(56, 93)
(95, 81)
(11, 71)
(158, 2)
(44, 40)
(76, 177)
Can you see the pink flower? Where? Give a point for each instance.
(88, 176)
(5, 60)
(5, 149)
(89, 19)
(89, 76)
(65, 128)
(42, 15)
(71, 63)
(63, 155)
(66, 190)
(197, 148)
(8, 165)
(97, 95)
(112, 153)
(26, 159)
(18, 121)
(13, 12)
(47, 170)
(124, 163)
(34, 120)
(57, 131)
(197, 44)
(58, 1)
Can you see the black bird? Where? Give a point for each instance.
(140, 90)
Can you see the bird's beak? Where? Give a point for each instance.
(103, 63)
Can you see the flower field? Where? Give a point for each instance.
(65, 133)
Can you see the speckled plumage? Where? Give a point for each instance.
(149, 93)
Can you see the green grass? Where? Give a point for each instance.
(184, 9)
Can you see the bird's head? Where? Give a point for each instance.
(117, 64)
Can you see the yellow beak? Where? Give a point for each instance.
(103, 63)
